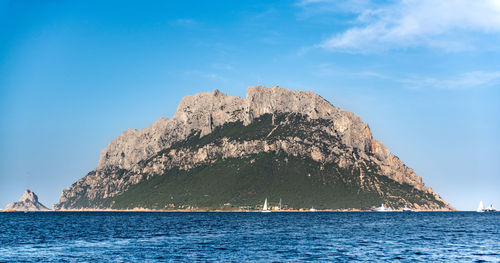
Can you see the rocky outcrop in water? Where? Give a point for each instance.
(206, 126)
(28, 202)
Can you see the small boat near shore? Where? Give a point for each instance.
(264, 208)
(490, 208)
(480, 207)
(382, 208)
(406, 209)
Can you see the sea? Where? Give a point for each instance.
(249, 236)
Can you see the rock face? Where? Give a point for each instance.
(211, 126)
(28, 202)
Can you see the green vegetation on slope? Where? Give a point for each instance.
(245, 182)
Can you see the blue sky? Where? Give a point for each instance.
(424, 75)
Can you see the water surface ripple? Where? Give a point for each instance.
(320, 236)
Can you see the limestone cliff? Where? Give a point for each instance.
(208, 127)
(28, 202)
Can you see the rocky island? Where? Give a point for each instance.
(28, 202)
(226, 152)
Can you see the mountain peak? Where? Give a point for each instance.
(29, 196)
(27, 202)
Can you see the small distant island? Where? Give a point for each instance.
(227, 153)
(27, 202)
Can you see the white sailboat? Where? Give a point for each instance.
(265, 209)
(480, 207)
(406, 209)
(382, 208)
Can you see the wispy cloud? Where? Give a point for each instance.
(346, 6)
(458, 81)
(184, 22)
(452, 25)
(468, 80)
(206, 75)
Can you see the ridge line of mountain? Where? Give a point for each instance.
(334, 135)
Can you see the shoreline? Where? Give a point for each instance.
(226, 211)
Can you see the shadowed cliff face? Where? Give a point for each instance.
(28, 202)
(209, 126)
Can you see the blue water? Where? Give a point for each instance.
(125, 237)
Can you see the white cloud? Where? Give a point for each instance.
(319, 6)
(206, 75)
(184, 22)
(458, 81)
(468, 80)
(453, 25)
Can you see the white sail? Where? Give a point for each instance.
(382, 208)
(480, 207)
(265, 205)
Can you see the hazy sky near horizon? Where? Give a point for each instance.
(425, 75)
